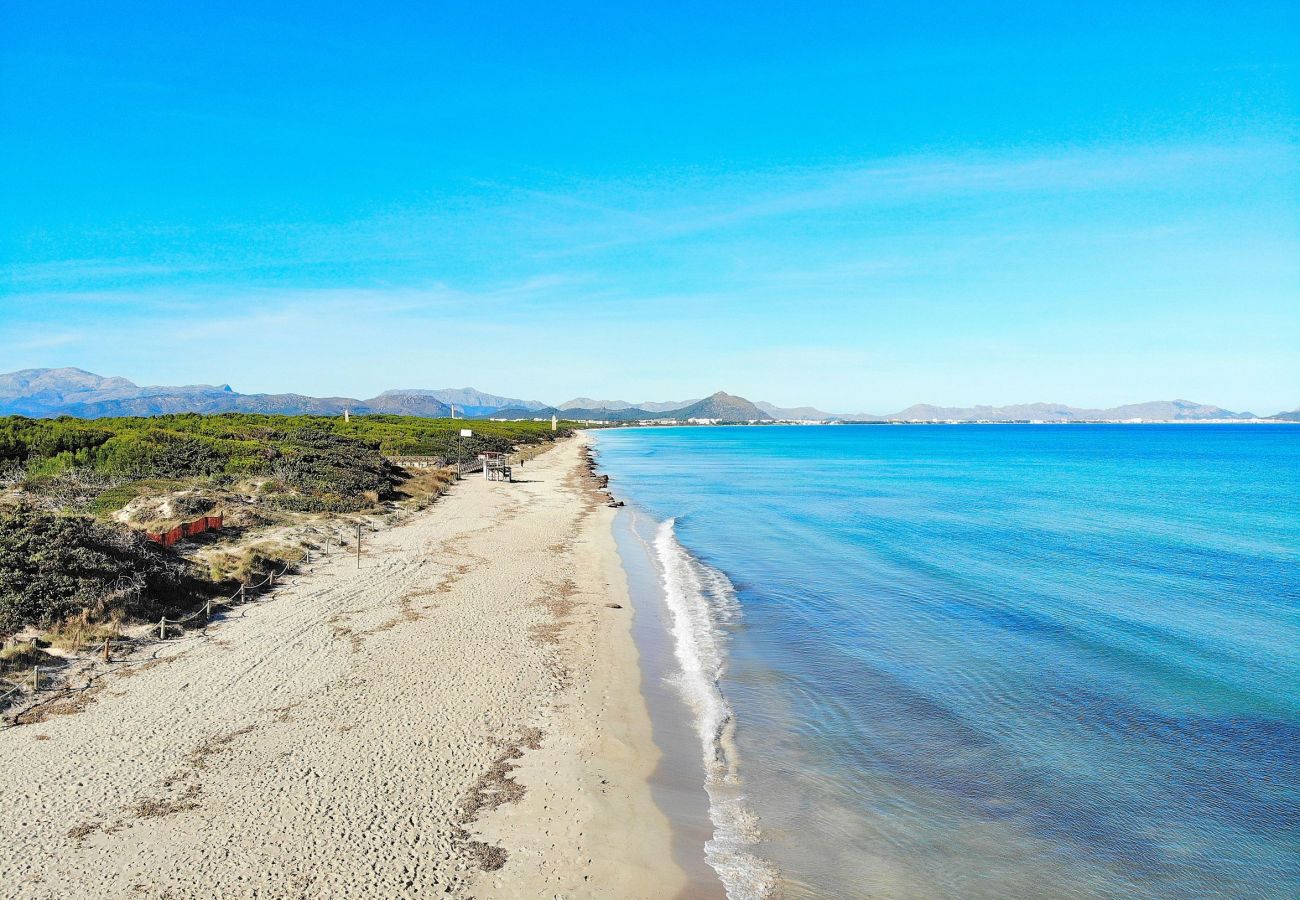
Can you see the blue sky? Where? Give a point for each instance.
(858, 206)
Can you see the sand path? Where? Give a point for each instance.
(356, 735)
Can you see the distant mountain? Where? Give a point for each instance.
(578, 413)
(797, 413)
(406, 403)
(38, 392)
(723, 407)
(76, 392)
(666, 406)
(1173, 411)
(515, 413)
(857, 417)
(1154, 411)
(205, 399)
(471, 401)
(53, 386)
(1292, 416)
(586, 403)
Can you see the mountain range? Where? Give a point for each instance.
(1160, 410)
(76, 392)
(721, 407)
(647, 405)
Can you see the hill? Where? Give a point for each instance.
(797, 413)
(649, 406)
(406, 403)
(723, 407)
(519, 413)
(467, 400)
(588, 403)
(1154, 411)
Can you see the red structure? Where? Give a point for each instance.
(186, 529)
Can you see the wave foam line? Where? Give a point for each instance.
(700, 599)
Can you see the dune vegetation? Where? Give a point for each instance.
(76, 496)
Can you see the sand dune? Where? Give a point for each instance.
(458, 717)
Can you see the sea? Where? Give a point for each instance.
(979, 661)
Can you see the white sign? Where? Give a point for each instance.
(465, 432)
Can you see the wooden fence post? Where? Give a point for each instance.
(107, 657)
(36, 678)
(162, 629)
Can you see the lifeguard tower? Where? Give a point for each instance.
(496, 466)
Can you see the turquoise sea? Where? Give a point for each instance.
(983, 661)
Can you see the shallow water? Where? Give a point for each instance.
(986, 661)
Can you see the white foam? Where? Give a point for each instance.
(700, 599)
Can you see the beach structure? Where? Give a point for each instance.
(496, 466)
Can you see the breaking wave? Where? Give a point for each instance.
(701, 601)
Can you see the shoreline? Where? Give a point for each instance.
(678, 782)
(684, 613)
(460, 715)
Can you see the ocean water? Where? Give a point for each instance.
(984, 661)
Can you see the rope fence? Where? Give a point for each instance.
(165, 625)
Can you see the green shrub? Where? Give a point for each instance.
(52, 567)
(339, 463)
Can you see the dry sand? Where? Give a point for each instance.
(460, 717)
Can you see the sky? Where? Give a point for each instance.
(857, 206)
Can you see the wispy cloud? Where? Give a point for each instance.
(64, 270)
(657, 211)
(49, 341)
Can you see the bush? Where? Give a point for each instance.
(53, 567)
(317, 503)
(339, 464)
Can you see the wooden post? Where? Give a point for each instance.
(358, 545)
(241, 591)
(36, 678)
(162, 629)
(271, 581)
(309, 556)
(107, 656)
(207, 610)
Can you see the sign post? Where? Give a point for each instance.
(464, 433)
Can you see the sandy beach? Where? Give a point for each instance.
(458, 716)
